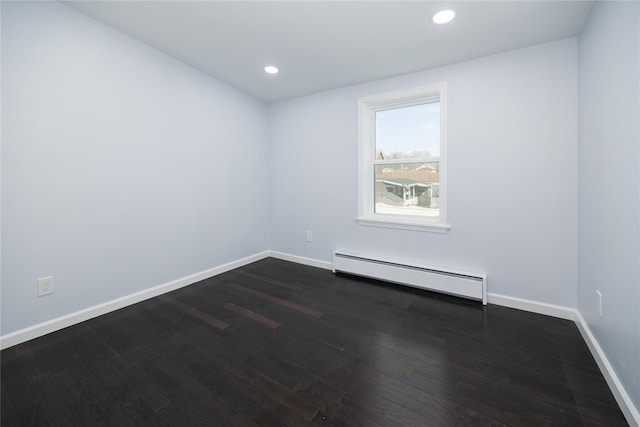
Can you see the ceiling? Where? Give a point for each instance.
(320, 45)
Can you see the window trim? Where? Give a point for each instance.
(367, 107)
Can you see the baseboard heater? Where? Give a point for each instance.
(459, 283)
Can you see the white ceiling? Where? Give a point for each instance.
(320, 45)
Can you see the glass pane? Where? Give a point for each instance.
(408, 132)
(408, 189)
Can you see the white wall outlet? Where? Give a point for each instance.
(45, 286)
(599, 302)
(309, 236)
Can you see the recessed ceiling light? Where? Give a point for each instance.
(443, 16)
(271, 69)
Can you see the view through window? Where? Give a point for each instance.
(407, 160)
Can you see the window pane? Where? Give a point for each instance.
(408, 189)
(408, 132)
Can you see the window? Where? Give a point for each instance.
(402, 159)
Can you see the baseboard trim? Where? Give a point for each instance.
(327, 265)
(532, 306)
(44, 328)
(492, 298)
(629, 410)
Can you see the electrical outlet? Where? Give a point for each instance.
(45, 286)
(309, 236)
(599, 294)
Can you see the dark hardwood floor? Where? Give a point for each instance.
(281, 344)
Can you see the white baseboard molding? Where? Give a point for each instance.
(492, 298)
(35, 331)
(327, 265)
(629, 410)
(532, 306)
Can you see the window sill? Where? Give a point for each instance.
(404, 224)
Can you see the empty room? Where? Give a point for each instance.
(341, 213)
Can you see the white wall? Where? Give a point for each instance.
(609, 195)
(122, 168)
(512, 173)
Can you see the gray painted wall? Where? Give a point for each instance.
(122, 168)
(609, 198)
(512, 126)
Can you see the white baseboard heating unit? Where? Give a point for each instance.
(460, 283)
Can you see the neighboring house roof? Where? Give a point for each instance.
(420, 175)
(404, 182)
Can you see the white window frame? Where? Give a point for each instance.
(367, 107)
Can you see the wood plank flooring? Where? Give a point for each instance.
(281, 344)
